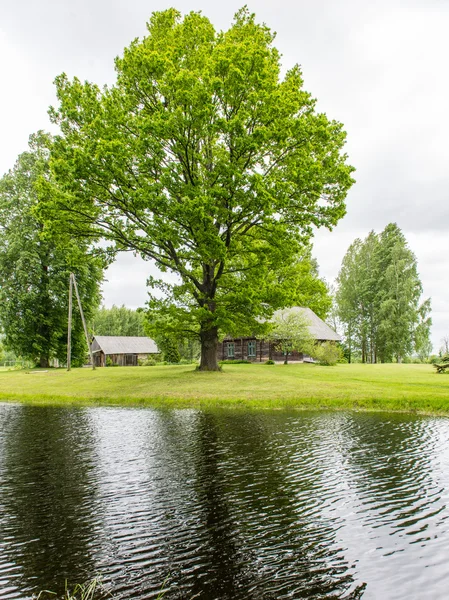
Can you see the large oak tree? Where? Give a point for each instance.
(204, 159)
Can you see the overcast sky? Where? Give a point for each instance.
(378, 67)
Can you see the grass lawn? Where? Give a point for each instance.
(415, 388)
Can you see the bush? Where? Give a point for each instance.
(327, 353)
(148, 362)
(235, 362)
(270, 362)
(109, 362)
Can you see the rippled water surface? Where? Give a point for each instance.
(223, 505)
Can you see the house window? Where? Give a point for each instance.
(231, 350)
(251, 348)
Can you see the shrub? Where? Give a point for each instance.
(327, 353)
(235, 362)
(270, 362)
(443, 360)
(148, 362)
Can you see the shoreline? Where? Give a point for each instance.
(405, 389)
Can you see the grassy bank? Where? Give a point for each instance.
(414, 388)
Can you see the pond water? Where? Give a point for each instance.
(223, 505)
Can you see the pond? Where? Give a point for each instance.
(223, 505)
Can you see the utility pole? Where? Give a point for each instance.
(69, 332)
(83, 319)
(73, 284)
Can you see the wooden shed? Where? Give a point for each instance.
(259, 350)
(122, 350)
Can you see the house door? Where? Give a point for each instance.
(130, 360)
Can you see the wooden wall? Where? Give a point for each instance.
(123, 360)
(264, 351)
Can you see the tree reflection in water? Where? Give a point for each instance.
(47, 498)
(227, 504)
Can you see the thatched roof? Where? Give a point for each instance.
(317, 328)
(124, 345)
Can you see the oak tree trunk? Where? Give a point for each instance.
(209, 347)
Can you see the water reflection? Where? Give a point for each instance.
(272, 540)
(47, 500)
(223, 505)
(399, 500)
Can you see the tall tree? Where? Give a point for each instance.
(34, 271)
(399, 294)
(347, 297)
(378, 298)
(423, 344)
(205, 160)
(368, 300)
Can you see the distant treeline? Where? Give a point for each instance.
(118, 320)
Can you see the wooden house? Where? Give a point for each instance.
(122, 350)
(259, 350)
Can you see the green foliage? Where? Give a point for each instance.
(422, 342)
(148, 362)
(305, 288)
(34, 270)
(92, 590)
(118, 320)
(269, 362)
(289, 331)
(169, 349)
(442, 366)
(204, 159)
(188, 348)
(378, 300)
(235, 362)
(414, 360)
(327, 353)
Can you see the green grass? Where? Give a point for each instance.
(82, 591)
(414, 388)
